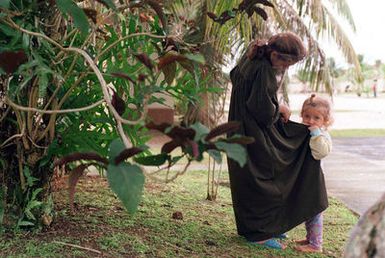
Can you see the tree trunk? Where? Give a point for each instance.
(24, 180)
(368, 236)
(25, 187)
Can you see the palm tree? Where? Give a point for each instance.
(312, 20)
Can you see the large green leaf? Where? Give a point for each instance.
(216, 155)
(153, 160)
(234, 151)
(80, 18)
(5, 3)
(8, 31)
(116, 147)
(200, 131)
(127, 182)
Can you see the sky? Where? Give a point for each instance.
(369, 38)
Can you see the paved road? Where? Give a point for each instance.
(355, 171)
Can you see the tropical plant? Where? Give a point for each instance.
(76, 81)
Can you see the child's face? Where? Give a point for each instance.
(313, 117)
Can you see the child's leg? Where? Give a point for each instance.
(314, 228)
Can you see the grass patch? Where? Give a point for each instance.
(358, 133)
(206, 230)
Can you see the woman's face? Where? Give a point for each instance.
(281, 61)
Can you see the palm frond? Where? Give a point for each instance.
(317, 23)
(315, 60)
(309, 19)
(343, 10)
(343, 42)
(324, 22)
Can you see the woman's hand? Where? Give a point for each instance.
(285, 112)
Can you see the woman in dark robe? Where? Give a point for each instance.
(281, 185)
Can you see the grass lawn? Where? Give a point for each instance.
(358, 133)
(207, 228)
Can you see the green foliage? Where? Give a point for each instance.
(115, 148)
(5, 3)
(216, 155)
(28, 218)
(125, 179)
(32, 204)
(200, 131)
(197, 139)
(127, 182)
(77, 14)
(233, 151)
(44, 74)
(153, 160)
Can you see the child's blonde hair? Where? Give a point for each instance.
(322, 105)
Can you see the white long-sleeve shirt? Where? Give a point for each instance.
(320, 144)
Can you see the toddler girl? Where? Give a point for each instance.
(316, 114)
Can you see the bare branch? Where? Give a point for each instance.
(58, 111)
(10, 139)
(79, 247)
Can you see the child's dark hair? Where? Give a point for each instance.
(321, 104)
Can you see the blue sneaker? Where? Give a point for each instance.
(282, 236)
(270, 243)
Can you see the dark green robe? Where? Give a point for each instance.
(281, 185)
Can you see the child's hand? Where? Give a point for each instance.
(313, 128)
(285, 112)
